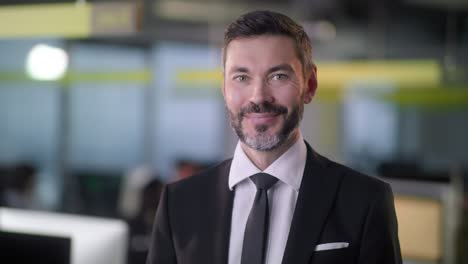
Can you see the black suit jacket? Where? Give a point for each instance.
(335, 204)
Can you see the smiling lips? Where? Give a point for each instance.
(261, 118)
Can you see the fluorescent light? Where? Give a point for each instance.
(46, 63)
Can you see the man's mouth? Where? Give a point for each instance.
(261, 118)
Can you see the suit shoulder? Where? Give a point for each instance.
(359, 182)
(204, 178)
(198, 191)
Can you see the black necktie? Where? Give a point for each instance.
(256, 229)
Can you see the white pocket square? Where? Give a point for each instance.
(329, 246)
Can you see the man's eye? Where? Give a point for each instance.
(279, 76)
(240, 78)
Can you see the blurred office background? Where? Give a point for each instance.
(102, 102)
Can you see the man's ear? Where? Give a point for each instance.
(311, 85)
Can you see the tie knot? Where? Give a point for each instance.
(263, 181)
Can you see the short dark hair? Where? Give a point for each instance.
(258, 23)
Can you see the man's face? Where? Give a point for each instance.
(265, 90)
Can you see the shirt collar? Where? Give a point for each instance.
(288, 168)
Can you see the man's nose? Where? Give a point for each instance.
(261, 92)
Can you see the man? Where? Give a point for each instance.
(277, 201)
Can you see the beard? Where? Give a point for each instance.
(262, 140)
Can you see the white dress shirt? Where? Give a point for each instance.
(282, 197)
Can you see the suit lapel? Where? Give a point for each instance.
(316, 196)
(223, 201)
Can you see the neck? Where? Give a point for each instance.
(263, 159)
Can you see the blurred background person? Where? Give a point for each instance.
(17, 186)
(141, 224)
(185, 168)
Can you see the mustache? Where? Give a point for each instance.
(264, 107)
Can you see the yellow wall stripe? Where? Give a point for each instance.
(429, 96)
(399, 73)
(138, 76)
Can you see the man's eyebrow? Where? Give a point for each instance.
(238, 69)
(281, 67)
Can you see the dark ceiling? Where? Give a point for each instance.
(439, 20)
(345, 10)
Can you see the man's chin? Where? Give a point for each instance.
(263, 142)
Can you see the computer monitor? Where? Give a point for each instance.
(22, 248)
(93, 240)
